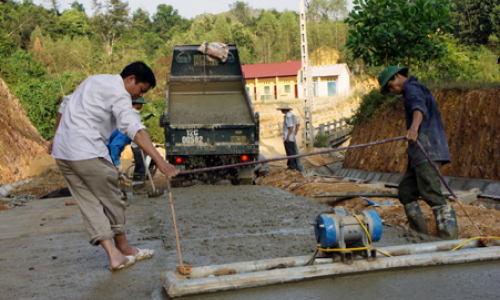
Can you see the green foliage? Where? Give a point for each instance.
(156, 107)
(73, 22)
(461, 64)
(475, 20)
(321, 141)
(39, 93)
(371, 103)
(388, 32)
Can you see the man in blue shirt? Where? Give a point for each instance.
(423, 122)
(116, 145)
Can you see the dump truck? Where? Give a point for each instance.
(209, 119)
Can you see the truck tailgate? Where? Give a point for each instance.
(213, 139)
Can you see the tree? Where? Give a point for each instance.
(242, 11)
(78, 6)
(474, 20)
(54, 7)
(392, 31)
(141, 23)
(165, 19)
(223, 30)
(288, 26)
(267, 31)
(339, 10)
(109, 21)
(73, 22)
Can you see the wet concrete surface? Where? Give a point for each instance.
(44, 253)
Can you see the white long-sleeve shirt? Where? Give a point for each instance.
(90, 115)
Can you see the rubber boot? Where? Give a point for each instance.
(416, 217)
(446, 222)
(139, 184)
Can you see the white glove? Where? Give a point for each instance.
(119, 169)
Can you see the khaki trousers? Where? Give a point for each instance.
(94, 186)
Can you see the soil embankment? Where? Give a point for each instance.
(20, 142)
(472, 123)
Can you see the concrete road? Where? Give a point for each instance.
(44, 253)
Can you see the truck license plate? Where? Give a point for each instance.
(192, 137)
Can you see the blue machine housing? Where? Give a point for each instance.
(328, 227)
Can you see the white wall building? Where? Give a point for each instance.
(328, 80)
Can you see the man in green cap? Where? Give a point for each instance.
(423, 122)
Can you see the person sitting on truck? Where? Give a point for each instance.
(290, 129)
(118, 141)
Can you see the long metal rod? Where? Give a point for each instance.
(447, 186)
(177, 286)
(291, 156)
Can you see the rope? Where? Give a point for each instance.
(474, 238)
(290, 157)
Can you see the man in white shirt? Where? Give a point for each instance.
(86, 120)
(290, 128)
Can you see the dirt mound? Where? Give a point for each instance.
(472, 123)
(486, 218)
(41, 163)
(20, 142)
(49, 180)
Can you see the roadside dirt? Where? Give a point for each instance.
(50, 179)
(485, 214)
(20, 142)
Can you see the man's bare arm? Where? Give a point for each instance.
(49, 150)
(144, 142)
(412, 133)
(290, 130)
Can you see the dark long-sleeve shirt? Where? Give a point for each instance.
(431, 132)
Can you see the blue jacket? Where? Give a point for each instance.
(116, 145)
(431, 132)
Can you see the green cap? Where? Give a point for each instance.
(139, 101)
(387, 74)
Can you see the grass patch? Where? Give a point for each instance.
(467, 85)
(370, 105)
(321, 141)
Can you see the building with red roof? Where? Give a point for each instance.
(275, 81)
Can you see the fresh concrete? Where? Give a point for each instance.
(45, 253)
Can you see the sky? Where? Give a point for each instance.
(186, 8)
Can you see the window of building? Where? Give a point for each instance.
(288, 89)
(332, 88)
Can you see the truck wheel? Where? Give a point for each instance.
(245, 176)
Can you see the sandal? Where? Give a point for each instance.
(144, 253)
(131, 261)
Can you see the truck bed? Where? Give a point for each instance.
(208, 103)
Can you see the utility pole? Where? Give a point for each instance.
(308, 131)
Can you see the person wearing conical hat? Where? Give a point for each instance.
(290, 128)
(423, 123)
